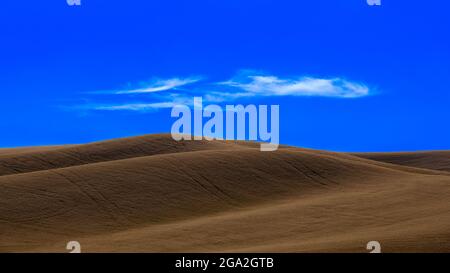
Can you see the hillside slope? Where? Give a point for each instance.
(435, 160)
(151, 193)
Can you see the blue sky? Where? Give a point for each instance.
(347, 76)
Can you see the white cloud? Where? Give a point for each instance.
(246, 84)
(155, 86)
(134, 106)
(161, 85)
(304, 86)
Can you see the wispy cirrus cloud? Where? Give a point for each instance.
(133, 106)
(157, 85)
(245, 85)
(268, 85)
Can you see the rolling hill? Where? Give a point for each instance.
(153, 194)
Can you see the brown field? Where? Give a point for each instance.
(152, 194)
